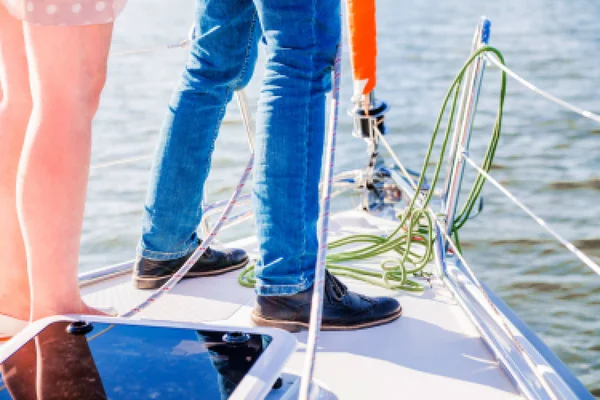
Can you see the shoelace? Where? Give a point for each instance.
(208, 252)
(338, 289)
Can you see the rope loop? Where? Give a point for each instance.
(413, 239)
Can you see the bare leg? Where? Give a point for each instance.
(67, 68)
(15, 109)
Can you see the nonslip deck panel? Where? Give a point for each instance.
(192, 300)
(432, 351)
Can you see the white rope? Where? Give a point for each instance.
(396, 160)
(316, 308)
(180, 45)
(119, 162)
(184, 43)
(529, 85)
(570, 246)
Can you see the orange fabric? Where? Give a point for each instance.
(363, 41)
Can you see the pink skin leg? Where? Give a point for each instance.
(67, 70)
(15, 109)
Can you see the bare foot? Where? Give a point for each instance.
(94, 311)
(14, 307)
(81, 308)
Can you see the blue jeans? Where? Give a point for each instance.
(300, 37)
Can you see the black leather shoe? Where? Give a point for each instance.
(342, 309)
(152, 274)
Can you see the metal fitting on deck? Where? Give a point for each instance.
(365, 120)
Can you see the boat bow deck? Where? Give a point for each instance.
(432, 351)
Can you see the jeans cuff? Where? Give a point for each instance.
(282, 290)
(164, 256)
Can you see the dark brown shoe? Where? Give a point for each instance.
(342, 309)
(152, 274)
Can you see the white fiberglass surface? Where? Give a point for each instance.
(192, 300)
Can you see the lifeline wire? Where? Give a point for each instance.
(316, 309)
(529, 85)
(119, 162)
(179, 45)
(183, 44)
(570, 246)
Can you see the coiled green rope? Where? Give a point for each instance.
(414, 237)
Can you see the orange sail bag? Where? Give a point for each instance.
(363, 45)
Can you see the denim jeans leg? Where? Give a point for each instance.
(328, 31)
(221, 60)
(301, 42)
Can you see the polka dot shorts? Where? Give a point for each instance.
(65, 12)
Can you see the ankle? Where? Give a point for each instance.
(48, 310)
(18, 314)
(16, 306)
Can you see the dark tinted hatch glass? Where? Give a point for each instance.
(129, 362)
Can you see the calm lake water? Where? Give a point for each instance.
(548, 156)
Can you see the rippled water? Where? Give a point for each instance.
(549, 157)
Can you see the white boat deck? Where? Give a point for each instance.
(432, 351)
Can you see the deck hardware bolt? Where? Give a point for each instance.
(79, 328)
(278, 383)
(236, 337)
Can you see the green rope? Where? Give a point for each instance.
(413, 239)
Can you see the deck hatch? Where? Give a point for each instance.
(124, 361)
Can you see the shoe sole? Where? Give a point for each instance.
(155, 283)
(293, 326)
